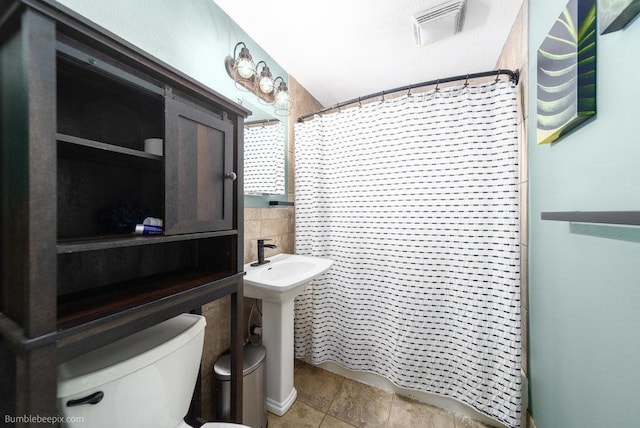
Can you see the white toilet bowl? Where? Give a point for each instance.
(141, 381)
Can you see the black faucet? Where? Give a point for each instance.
(261, 247)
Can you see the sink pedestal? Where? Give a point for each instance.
(277, 284)
(277, 338)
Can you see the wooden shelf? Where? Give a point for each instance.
(105, 147)
(631, 218)
(89, 305)
(68, 246)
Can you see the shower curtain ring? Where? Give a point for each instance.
(359, 103)
(498, 75)
(466, 81)
(382, 97)
(409, 91)
(438, 85)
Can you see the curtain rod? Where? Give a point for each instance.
(514, 76)
(262, 122)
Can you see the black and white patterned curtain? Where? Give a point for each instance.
(416, 200)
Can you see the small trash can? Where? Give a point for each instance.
(254, 413)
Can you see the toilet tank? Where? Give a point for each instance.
(145, 380)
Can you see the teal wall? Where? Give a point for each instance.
(194, 36)
(584, 280)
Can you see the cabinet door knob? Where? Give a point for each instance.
(231, 176)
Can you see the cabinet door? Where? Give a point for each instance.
(199, 176)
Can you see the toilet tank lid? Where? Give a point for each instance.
(127, 355)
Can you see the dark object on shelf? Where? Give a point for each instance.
(122, 218)
(606, 217)
(280, 204)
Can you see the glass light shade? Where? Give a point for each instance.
(282, 94)
(282, 104)
(282, 97)
(266, 84)
(245, 67)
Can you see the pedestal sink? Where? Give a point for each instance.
(277, 283)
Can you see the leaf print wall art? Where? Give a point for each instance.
(614, 15)
(567, 72)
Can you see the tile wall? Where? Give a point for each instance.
(276, 224)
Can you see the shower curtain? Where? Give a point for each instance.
(264, 147)
(415, 199)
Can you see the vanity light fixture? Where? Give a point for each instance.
(252, 78)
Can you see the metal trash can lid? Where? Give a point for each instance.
(254, 356)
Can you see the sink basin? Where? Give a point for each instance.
(284, 277)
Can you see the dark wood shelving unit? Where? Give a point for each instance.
(74, 178)
(630, 218)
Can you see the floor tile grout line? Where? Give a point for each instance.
(324, 416)
(393, 399)
(342, 379)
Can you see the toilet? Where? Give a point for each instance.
(145, 380)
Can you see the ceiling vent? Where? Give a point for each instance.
(439, 22)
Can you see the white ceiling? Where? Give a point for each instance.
(342, 49)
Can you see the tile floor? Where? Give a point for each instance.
(328, 400)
